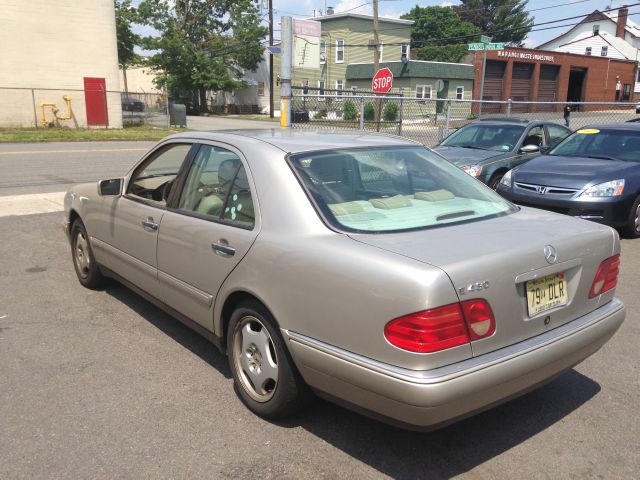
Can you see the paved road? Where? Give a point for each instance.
(101, 384)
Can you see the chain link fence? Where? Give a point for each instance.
(429, 121)
(77, 108)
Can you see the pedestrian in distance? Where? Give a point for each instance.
(567, 113)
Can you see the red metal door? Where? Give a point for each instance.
(95, 97)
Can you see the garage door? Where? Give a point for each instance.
(493, 83)
(547, 87)
(521, 86)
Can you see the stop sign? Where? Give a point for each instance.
(382, 81)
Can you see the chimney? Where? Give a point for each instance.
(330, 11)
(623, 12)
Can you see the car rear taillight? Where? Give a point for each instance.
(441, 328)
(606, 276)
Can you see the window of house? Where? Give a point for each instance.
(261, 89)
(323, 51)
(459, 93)
(596, 29)
(587, 51)
(404, 51)
(339, 50)
(604, 51)
(423, 91)
(320, 87)
(339, 87)
(305, 86)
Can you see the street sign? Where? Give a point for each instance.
(486, 46)
(382, 81)
(274, 49)
(306, 43)
(485, 39)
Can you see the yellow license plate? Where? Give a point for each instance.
(546, 293)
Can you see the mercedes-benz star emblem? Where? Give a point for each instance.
(550, 254)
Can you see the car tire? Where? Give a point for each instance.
(84, 263)
(495, 181)
(265, 377)
(633, 223)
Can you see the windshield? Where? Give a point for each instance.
(393, 189)
(501, 138)
(596, 143)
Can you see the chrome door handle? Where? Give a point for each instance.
(149, 224)
(225, 248)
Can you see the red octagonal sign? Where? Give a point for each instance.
(382, 81)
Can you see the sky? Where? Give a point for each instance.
(545, 11)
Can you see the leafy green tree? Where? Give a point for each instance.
(126, 15)
(202, 44)
(504, 20)
(439, 34)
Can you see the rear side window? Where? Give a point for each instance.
(393, 189)
(217, 188)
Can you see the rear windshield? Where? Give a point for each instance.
(500, 138)
(596, 143)
(393, 189)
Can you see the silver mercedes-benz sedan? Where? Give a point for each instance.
(364, 268)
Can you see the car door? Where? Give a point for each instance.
(127, 234)
(533, 136)
(206, 232)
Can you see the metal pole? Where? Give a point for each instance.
(271, 59)
(509, 107)
(400, 116)
(35, 112)
(376, 60)
(285, 71)
(484, 67)
(448, 118)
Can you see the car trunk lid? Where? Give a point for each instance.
(494, 259)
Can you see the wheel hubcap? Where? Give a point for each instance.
(637, 219)
(81, 255)
(255, 359)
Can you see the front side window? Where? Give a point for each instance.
(217, 187)
(339, 50)
(393, 189)
(154, 179)
(534, 137)
(501, 138)
(556, 134)
(604, 144)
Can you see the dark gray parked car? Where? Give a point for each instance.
(488, 148)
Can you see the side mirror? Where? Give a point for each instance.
(530, 149)
(110, 188)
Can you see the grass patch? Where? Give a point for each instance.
(29, 135)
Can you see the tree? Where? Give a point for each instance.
(505, 20)
(202, 44)
(439, 33)
(126, 15)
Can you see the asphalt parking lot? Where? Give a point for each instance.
(101, 384)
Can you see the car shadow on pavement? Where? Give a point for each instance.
(171, 327)
(455, 449)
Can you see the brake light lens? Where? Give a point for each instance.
(442, 328)
(606, 276)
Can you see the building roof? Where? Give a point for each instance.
(627, 50)
(362, 17)
(413, 68)
(598, 16)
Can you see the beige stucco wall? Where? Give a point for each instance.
(53, 45)
(140, 80)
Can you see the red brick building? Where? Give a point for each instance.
(522, 74)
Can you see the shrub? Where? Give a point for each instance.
(349, 111)
(390, 112)
(369, 112)
(317, 116)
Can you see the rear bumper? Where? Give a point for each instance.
(430, 399)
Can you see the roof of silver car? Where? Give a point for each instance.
(294, 141)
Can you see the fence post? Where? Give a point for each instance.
(509, 107)
(448, 120)
(400, 116)
(361, 113)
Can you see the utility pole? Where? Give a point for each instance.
(271, 59)
(286, 60)
(376, 59)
